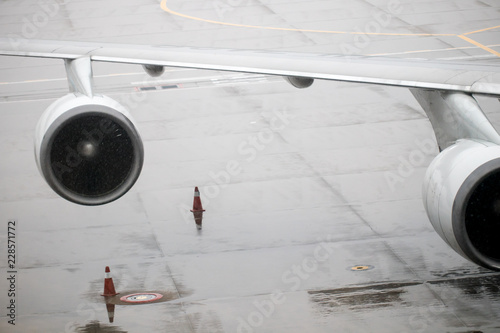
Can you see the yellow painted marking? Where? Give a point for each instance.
(479, 45)
(482, 30)
(430, 50)
(165, 8)
(168, 10)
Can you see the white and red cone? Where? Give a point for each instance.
(197, 208)
(109, 287)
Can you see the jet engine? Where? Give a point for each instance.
(88, 149)
(461, 193)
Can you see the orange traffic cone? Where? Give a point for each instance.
(197, 208)
(109, 287)
(111, 312)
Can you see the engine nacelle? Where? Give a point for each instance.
(461, 194)
(299, 82)
(154, 70)
(88, 149)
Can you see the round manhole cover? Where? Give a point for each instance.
(141, 298)
(361, 268)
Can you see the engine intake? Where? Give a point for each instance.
(88, 149)
(462, 197)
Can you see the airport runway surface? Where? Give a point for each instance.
(314, 220)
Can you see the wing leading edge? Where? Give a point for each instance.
(471, 78)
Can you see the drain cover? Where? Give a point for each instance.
(361, 268)
(141, 298)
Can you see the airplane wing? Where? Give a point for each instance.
(472, 78)
(314, 217)
(444, 89)
(80, 163)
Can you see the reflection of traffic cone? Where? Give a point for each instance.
(198, 219)
(111, 311)
(109, 287)
(197, 208)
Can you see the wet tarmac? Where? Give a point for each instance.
(306, 205)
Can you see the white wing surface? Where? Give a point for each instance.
(470, 78)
